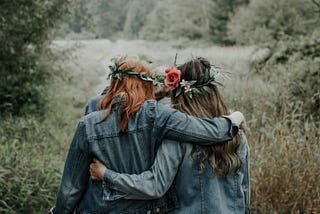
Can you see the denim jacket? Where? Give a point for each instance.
(92, 104)
(130, 152)
(198, 192)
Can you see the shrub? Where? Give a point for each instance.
(294, 65)
(266, 21)
(29, 175)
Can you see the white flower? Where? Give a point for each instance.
(186, 85)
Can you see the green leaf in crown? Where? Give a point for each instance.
(117, 73)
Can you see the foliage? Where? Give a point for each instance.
(266, 21)
(29, 175)
(297, 63)
(159, 15)
(220, 21)
(79, 19)
(137, 17)
(158, 20)
(219, 18)
(33, 149)
(284, 143)
(24, 34)
(177, 19)
(288, 30)
(109, 17)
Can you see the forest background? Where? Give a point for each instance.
(52, 59)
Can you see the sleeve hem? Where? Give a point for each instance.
(234, 128)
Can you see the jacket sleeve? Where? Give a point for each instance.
(76, 173)
(246, 170)
(153, 183)
(175, 125)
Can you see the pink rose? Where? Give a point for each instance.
(116, 57)
(173, 78)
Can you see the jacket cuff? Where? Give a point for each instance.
(109, 176)
(234, 129)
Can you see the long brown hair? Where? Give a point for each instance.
(222, 157)
(136, 91)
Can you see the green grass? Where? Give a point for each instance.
(284, 140)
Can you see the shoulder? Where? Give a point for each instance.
(91, 122)
(165, 101)
(92, 104)
(94, 117)
(95, 99)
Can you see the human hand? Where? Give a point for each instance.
(237, 117)
(97, 170)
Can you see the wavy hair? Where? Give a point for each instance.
(221, 157)
(135, 90)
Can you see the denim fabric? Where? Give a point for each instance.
(198, 192)
(92, 104)
(130, 152)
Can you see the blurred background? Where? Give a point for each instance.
(53, 56)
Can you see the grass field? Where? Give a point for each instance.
(285, 151)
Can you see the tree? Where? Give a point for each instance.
(109, 17)
(137, 16)
(177, 18)
(25, 27)
(220, 15)
(80, 16)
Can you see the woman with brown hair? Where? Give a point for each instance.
(208, 179)
(125, 135)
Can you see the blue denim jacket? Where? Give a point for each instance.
(130, 152)
(198, 192)
(92, 104)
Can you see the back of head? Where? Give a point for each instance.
(128, 81)
(203, 99)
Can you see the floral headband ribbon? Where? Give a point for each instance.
(173, 81)
(118, 73)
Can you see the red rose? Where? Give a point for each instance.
(173, 77)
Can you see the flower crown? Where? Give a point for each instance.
(173, 81)
(118, 73)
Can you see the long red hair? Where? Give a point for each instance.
(137, 91)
